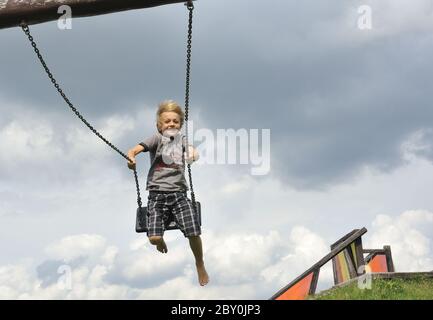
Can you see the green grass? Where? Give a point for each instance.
(383, 289)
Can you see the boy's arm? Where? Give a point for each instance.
(132, 153)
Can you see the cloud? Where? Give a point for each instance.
(73, 247)
(410, 237)
(241, 266)
(418, 144)
(14, 280)
(328, 109)
(141, 267)
(46, 146)
(397, 17)
(97, 270)
(231, 256)
(47, 272)
(306, 249)
(27, 140)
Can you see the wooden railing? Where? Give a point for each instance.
(348, 261)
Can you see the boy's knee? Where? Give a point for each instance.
(155, 239)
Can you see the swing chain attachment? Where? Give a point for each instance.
(189, 4)
(26, 30)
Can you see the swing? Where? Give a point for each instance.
(169, 223)
(141, 213)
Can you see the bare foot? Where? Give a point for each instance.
(161, 246)
(203, 277)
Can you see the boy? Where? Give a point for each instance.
(167, 185)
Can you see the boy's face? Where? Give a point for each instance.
(168, 120)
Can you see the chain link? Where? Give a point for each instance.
(26, 30)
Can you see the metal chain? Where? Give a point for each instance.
(190, 7)
(26, 30)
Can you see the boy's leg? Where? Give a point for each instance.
(157, 209)
(188, 223)
(159, 242)
(197, 250)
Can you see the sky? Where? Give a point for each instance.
(348, 112)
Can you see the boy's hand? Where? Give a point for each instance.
(131, 165)
(192, 156)
(131, 155)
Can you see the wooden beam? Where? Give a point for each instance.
(12, 12)
(359, 257)
(386, 251)
(313, 285)
(389, 261)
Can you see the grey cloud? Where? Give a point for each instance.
(423, 144)
(116, 277)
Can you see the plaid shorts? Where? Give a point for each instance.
(176, 205)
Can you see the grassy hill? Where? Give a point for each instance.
(420, 288)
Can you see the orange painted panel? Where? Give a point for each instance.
(299, 291)
(378, 264)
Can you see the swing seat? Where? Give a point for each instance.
(170, 224)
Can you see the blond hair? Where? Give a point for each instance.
(169, 106)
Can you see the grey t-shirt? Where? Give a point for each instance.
(165, 174)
